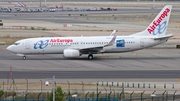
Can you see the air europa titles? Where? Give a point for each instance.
(61, 40)
(158, 21)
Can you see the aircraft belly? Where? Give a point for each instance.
(114, 49)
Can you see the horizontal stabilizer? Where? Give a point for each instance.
(163, 37)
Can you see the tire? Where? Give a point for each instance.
(24, 57)
(90, 56)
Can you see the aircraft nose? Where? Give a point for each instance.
(10, 48)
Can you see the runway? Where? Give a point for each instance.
(138, 74)
(148, 63)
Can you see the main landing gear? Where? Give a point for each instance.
(90, 56)
(24, 57)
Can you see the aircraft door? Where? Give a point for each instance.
(142, 42)
(27, 45)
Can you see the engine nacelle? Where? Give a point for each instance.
(71, 53)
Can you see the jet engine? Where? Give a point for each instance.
(71, 53)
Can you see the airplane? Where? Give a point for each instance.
(74, 47)
(20, 6)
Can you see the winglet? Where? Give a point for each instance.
(112, 34)
(111, 42)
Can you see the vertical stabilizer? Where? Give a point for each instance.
(159, 25)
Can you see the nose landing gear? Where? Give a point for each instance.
(23, 56)
(90, 56)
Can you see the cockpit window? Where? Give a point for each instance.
(16, 43)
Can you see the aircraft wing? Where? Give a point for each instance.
(87, 50)
(97, 49)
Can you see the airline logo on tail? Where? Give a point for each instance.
(161, 27)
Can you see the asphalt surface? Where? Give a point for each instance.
(64, 0)
(148, 63)
(46, 0)
(93, 74)
(63, 17)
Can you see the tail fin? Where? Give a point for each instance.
(20, 4)
(159, 25)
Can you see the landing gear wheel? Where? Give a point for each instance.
(90, 56)
(24, 57)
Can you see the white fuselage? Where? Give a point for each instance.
(56, 45)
